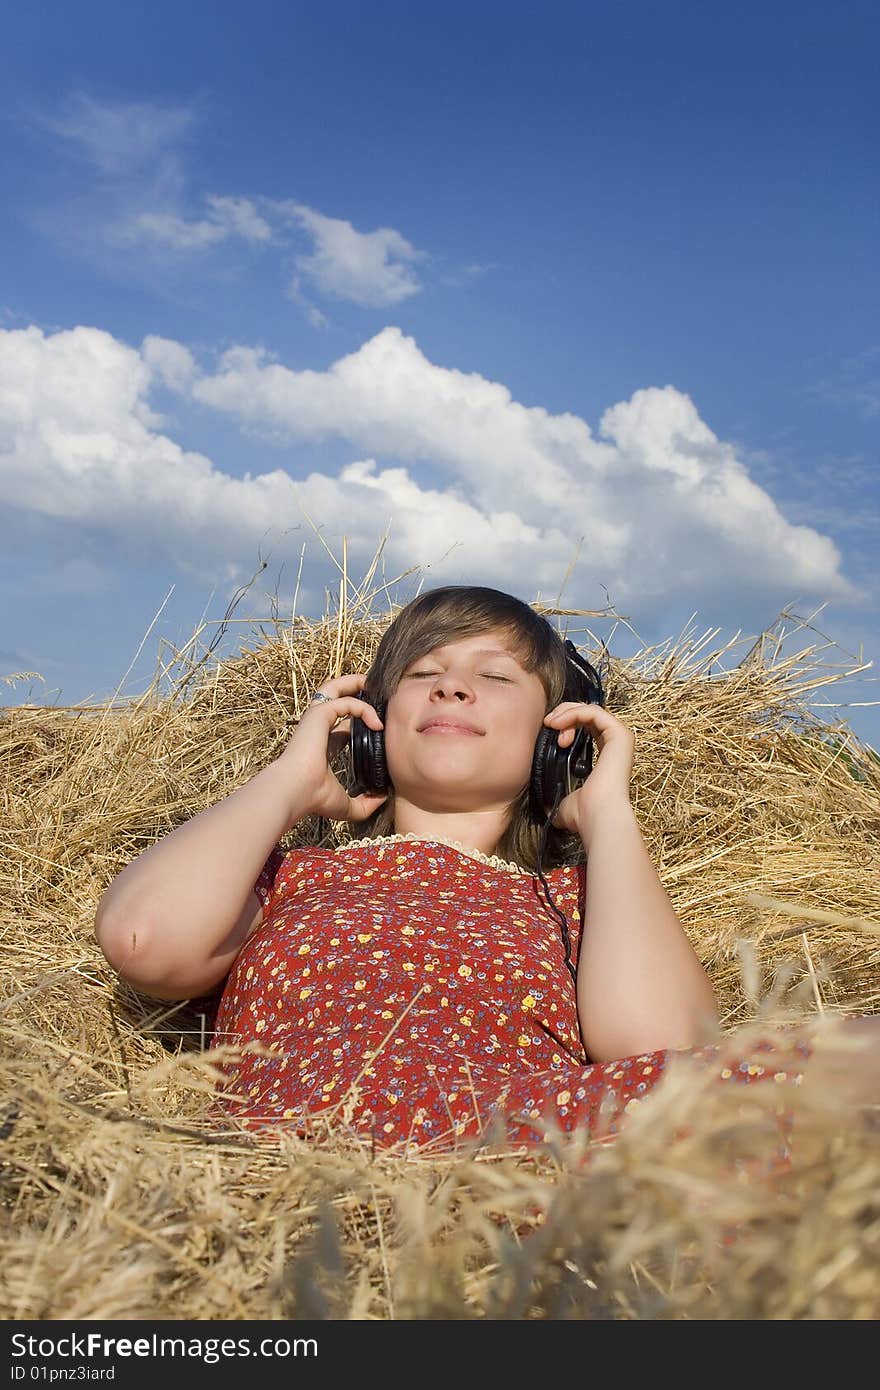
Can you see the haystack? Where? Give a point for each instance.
(121, 1199)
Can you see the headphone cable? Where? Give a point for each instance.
(566, 939)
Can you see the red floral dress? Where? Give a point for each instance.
(413, 993)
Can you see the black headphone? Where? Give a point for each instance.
(555, 771)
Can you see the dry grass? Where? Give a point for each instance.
(119, 1198)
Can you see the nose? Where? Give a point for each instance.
(451, 684)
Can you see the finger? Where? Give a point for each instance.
(593, 717)
(601, 726)
(572, 708)
(341, 705)
(362, 806)
(346, 684)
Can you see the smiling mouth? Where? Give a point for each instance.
(451, 729)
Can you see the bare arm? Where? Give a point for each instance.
(640, 985)
(173, 921)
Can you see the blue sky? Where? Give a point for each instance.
(591, 283)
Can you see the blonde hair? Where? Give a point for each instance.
(448, 614)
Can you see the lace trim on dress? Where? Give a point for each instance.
(493, 860)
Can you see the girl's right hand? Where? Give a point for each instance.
(317, 740)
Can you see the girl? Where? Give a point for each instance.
(427, 982)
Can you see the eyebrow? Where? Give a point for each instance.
(488, 651)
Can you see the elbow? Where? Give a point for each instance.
(125, 947)
(122, 942)
(143, 959)
(683, 1033)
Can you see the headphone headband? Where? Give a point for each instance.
(593, 692)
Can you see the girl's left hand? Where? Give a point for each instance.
(607, 786)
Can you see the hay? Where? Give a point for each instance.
(120, 1200)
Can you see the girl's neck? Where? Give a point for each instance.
(475, 830)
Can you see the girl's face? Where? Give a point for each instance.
(460, 728)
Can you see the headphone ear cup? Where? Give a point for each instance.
(368, 764)
(543, 777)
(557, 770)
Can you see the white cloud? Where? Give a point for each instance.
(172, 363)
(240, 216)
(77, 444)
(316, 318)
(147, 197)
(228, 217)
(666, 511)
(467, 274)
(173, 231)
(388, 398)
(120, 137)
(368, 268)
(658, 494)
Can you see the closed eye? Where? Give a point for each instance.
(415, 675)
